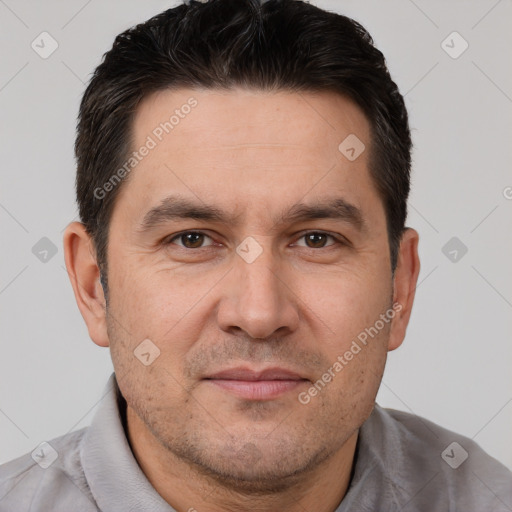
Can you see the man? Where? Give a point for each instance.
(243, 173)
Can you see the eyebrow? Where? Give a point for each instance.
(176, 207)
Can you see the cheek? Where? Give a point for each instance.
(344, 303)
(352, 336)
(161, 306)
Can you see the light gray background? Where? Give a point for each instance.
(454, 366)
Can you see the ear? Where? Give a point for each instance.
(404, 286)
(84, 275)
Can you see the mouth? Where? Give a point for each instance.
(251, 384)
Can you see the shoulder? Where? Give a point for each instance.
(447, 464)
(426, 439)
(48, 478)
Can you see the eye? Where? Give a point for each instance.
(196, 240)
(190, 239)
(318, 239)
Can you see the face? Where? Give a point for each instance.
(252, 253)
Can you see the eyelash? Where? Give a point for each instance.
(337, 240)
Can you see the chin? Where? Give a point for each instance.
(252, 467)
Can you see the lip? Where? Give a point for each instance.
(257, 384)
(248, 374)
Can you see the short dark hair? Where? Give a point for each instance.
(274, 45)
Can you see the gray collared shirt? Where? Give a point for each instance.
(403, 463)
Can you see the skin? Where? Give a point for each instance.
(299, 305)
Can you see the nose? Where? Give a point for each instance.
(259, 299)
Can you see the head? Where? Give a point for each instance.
(243, 174)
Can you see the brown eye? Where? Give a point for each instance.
(190, 239)
(317, 240)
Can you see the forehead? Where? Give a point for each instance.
(224, 119)
(248, 148)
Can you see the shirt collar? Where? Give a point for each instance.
(380, 479)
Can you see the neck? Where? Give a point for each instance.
(188, 488)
